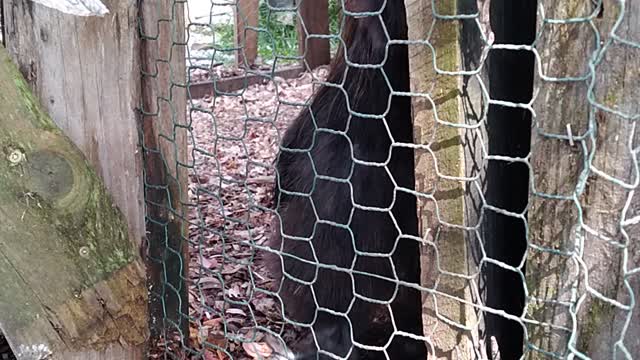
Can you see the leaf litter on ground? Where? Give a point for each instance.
(232, 145)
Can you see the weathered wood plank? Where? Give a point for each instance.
(585, 224)
(474, 43)
(164, 141)
(199, 90)
(602, 332)
(445, 143)
(85, 73)
(73, 284)
(313, 21)
(550, 276)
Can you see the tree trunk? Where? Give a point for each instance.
(73, 284)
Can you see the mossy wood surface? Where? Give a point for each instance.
(446, 152)
(72, 283)
(85, 73)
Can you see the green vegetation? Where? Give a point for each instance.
(277, 38)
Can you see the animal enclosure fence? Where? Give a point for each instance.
(526, 168)
(504, 203)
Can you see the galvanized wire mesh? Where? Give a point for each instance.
(577, 270)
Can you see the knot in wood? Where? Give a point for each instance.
(49, 174)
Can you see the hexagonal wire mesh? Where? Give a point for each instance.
(525, 175)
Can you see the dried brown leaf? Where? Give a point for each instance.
(259, 350)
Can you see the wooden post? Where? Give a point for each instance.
(164, 142)
(85, 73)
(73, 284)
(313, 21)
(448, 342)
(247, 15)
(556, 168)
(557, 281)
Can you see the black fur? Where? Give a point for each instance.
(366, 139)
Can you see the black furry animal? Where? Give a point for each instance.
(340, 201)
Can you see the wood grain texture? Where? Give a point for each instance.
(85, 73)
(593, 254)
(73, 284)
(442, 146)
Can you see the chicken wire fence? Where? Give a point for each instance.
(525, 186)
